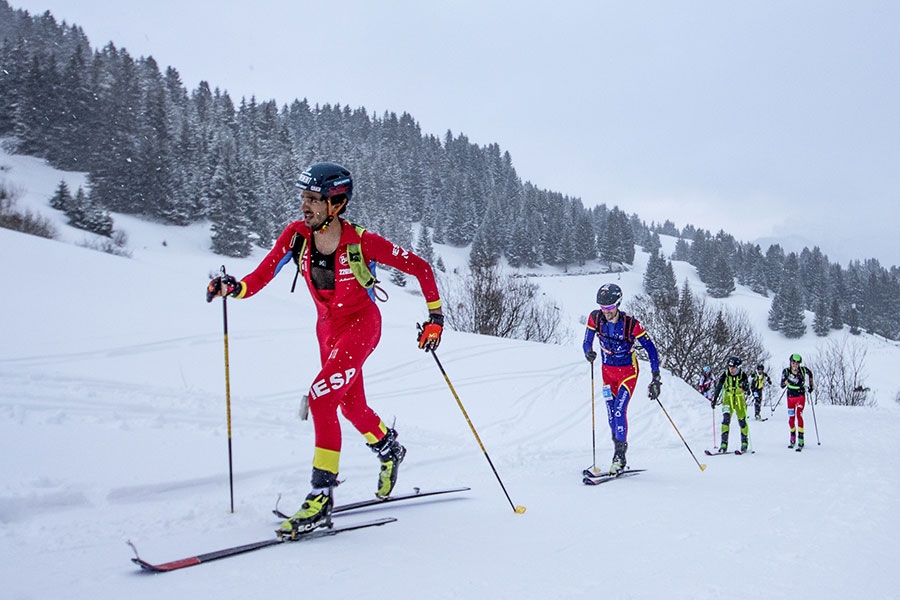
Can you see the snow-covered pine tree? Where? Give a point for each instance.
(62, 197)
(786, 313)
(774, 265)
(822, 321)
(682, 250)
(424, 248)
(659, 281)
(836, 316)
(230, 225)
(721, 278)
(853, 320)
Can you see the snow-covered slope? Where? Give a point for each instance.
(113, 428)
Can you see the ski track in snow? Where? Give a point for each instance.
(113, 427)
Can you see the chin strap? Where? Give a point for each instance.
(333, 212)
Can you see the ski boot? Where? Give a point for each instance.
(745, 442)
(793, 440)
(391, 454)
(799, 442)
(618, 461)
(315, 512)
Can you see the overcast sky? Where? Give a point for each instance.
(763, 118)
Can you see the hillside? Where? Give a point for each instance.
(113, 428)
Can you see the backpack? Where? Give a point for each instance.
(802, 374)
(627, 320)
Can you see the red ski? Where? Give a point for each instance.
(192, 561)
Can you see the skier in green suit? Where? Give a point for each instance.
(736, 387)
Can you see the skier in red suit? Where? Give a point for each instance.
(794, 378)
(336, 259)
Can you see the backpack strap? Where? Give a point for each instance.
(627, 324)
(364, 273)
(297, 249)
(628, 328)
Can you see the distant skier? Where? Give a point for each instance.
(757, 383)
(336, 259)
(734, 387)
(706, 384)
(794, 378)
(617, 333)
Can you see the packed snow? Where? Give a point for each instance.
(113, 428)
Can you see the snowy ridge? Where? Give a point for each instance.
(112, 427)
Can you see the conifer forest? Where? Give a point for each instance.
(154, 149)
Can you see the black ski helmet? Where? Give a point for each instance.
(733, 361)
(760, 367)
(609, 294)
(328, 179)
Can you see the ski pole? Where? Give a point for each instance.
(699, 464)
(779, 400)
(227, 395)
(518, 509)
(749, 437)
(593, 424)
(812, 405)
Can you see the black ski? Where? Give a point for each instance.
(597, 480)
(416, 493)
(735, 452)
(606, 474)
(192, 561)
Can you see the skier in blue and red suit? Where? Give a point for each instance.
(617, 333)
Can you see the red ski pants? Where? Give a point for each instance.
(343, 346)
(621, 381)
(795, 405)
